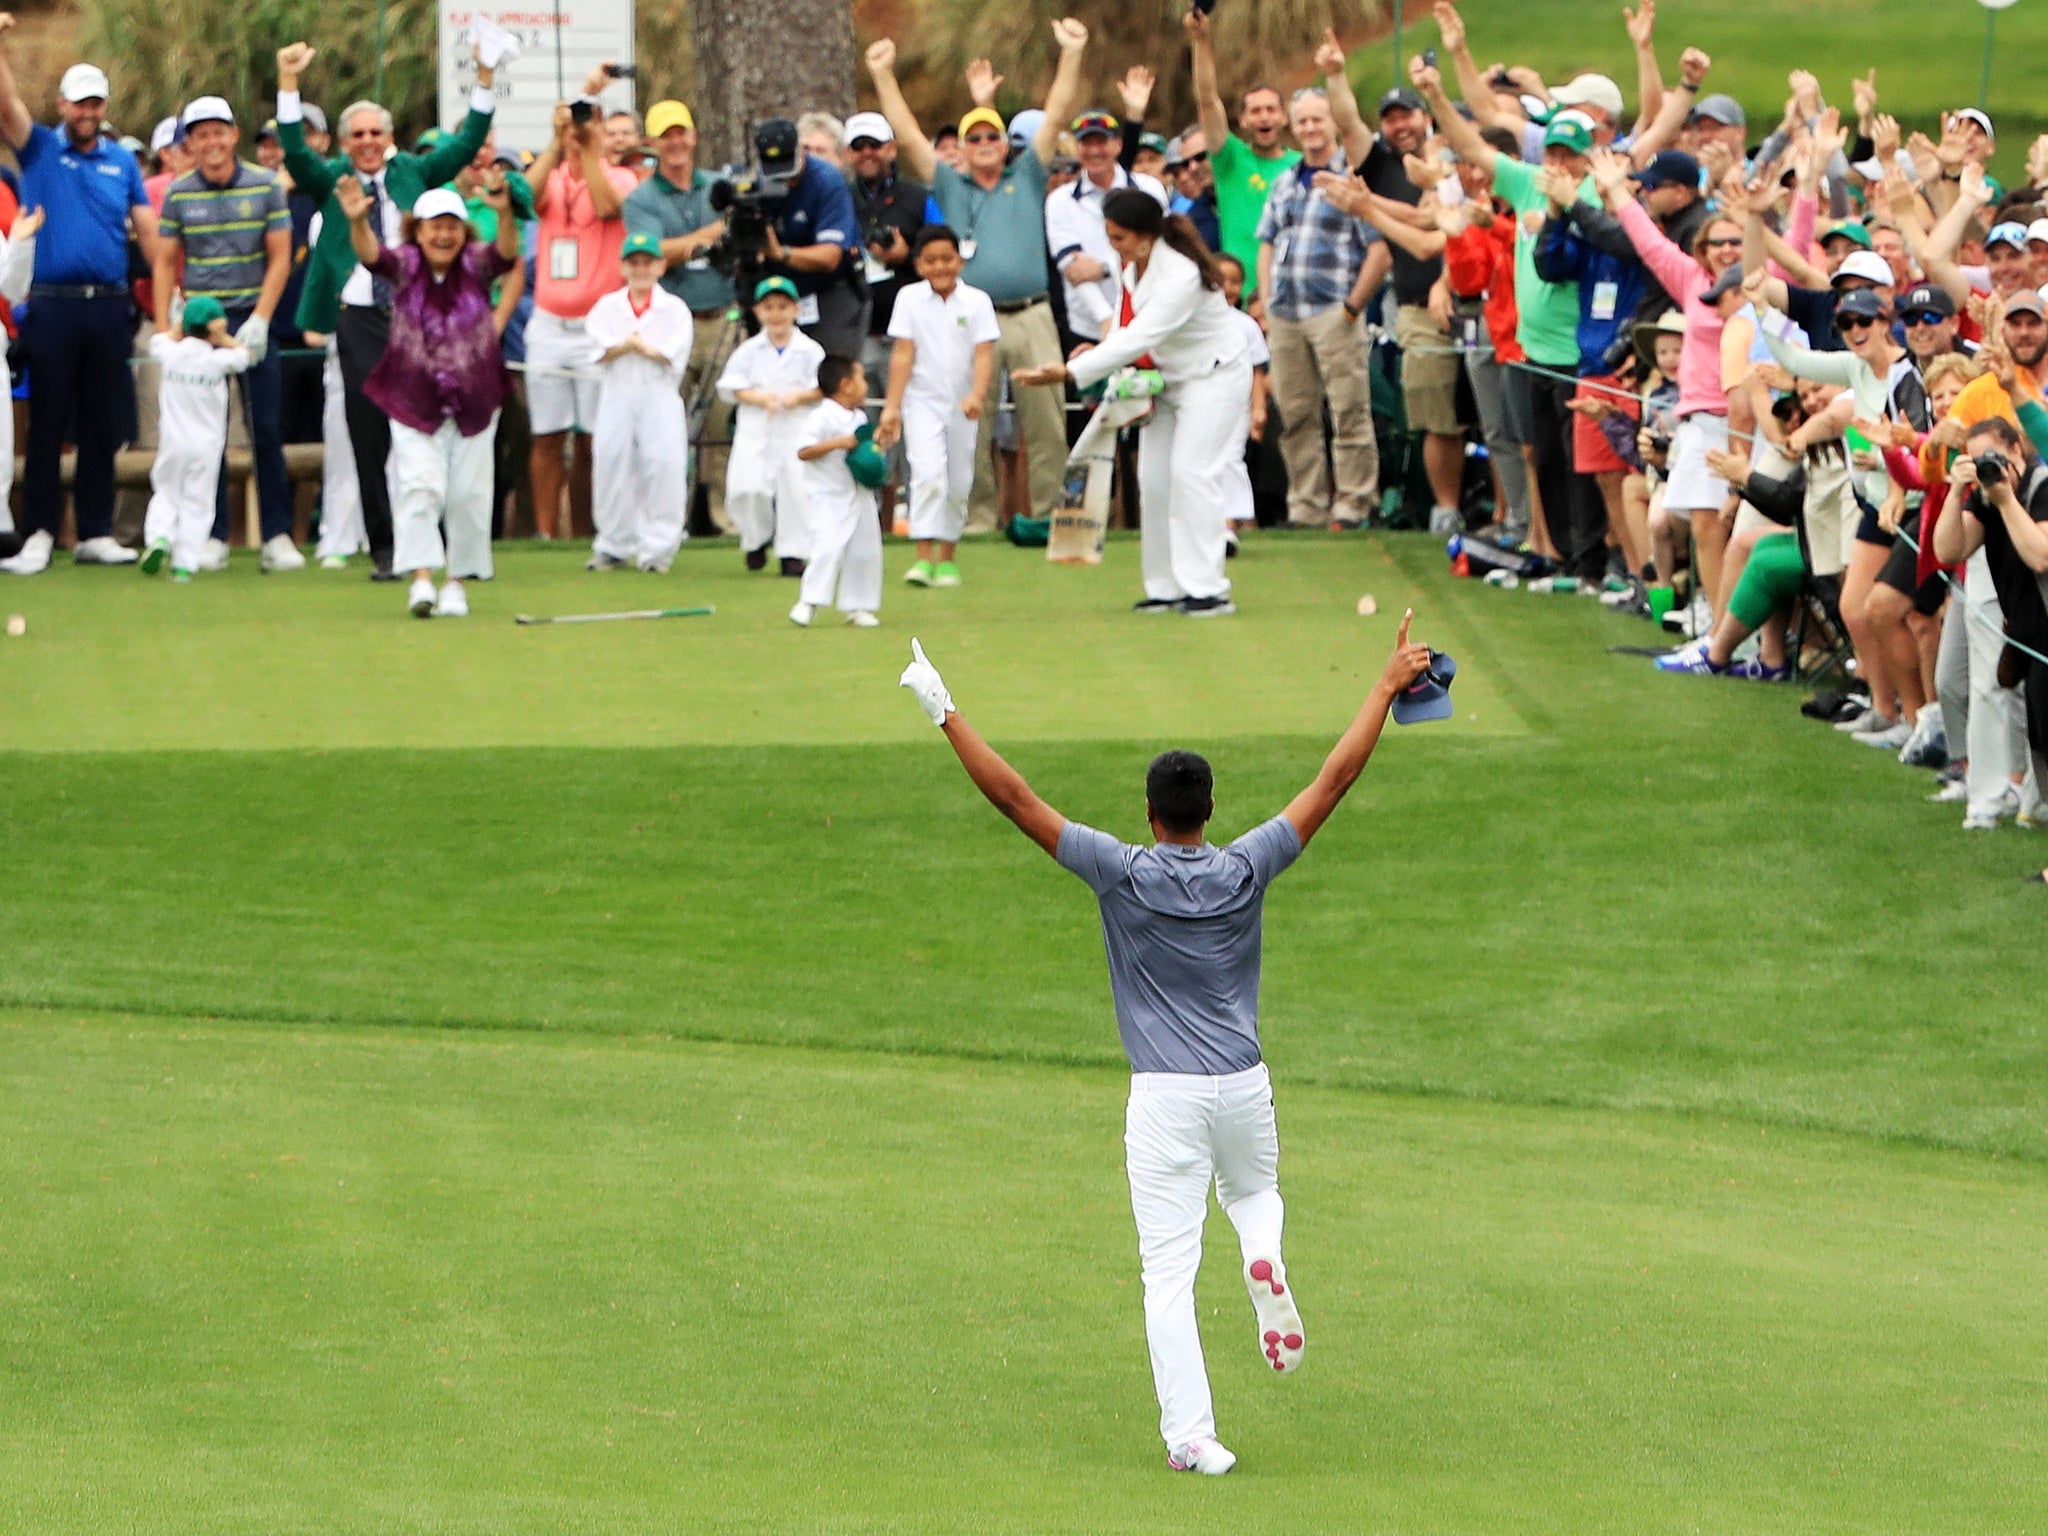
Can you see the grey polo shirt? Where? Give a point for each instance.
(660, 208)
(1183, 929)
(223, 229)
(1003, 225)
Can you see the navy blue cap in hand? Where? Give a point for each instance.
(1429, 696)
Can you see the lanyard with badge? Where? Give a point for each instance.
(977, 203)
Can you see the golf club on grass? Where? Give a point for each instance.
(606, 618)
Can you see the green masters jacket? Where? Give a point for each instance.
(406, 176)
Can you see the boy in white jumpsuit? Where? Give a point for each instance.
(641, 440)
(1182, 924)
(939, 373)
(846, 531)
(770, 377)
(1237, 500)
(17, 268)
(191, 435)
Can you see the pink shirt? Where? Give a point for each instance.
(577, 260)
(1699, 365)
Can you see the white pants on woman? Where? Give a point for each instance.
(1184, 477)
(436, 476)
(1180, 1132)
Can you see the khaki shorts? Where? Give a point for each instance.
(1429, 373)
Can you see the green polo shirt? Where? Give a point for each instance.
(1548, 313)
(660, 208)
(1243, 178)
(1003, 225)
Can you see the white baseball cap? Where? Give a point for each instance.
(869, 125)
(163, 135)
(206, 109)
(82, 82)
(440, 203)
(1590, 91)
(2038, 230)
(1868, 265)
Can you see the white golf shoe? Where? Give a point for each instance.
(32, 559)
(453, 602)
(214, 557)
(420, 601)
(281, 554)
(860, 618)
(1210, 1457)
(801, 615)
(1280, 1335)
(103, 551)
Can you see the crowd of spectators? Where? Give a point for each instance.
(1754, 381)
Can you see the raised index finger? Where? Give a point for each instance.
(1402, 638)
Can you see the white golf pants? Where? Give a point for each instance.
(1181, 1132)
(182, 488)
(846, 554)
(640, 472)
(435, 477)
(341, 503)
(1185, 481)
(938, 445)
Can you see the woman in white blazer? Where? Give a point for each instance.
(1173, 317)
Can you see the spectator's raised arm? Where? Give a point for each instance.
(1463, 136)
(912, 147)
(1209, 108)
(1642, 36)
(15, 120)
(1675, 107)
(1352, 131)
(1477, 89)
(1065, 89)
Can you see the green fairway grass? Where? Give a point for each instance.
(614, 1078)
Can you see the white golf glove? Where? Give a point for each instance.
(923, 680)
(255, 335)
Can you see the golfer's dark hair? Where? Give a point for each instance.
(1135, 211)
(833, 372)
(1180, 789)
(933, 234)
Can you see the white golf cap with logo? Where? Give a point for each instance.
(83, 82)
(869, 125)
(440, 203)
(206, 109)
(1868, 265)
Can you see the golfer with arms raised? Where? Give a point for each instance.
(1181, 923)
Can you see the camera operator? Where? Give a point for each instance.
(891, 209)
(812, 239)
(2003, 491)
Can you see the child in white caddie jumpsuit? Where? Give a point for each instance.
(641, 440)
(846, 531)
(939, 373)
(770, 376)
(191, 435)
(17, 267)
(1238, 502)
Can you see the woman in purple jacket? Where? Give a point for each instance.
(441, 381)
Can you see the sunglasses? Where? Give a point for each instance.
(1724, 240)
(1198, 159)
(1850, 323)
(986, 138)
(1923, 317)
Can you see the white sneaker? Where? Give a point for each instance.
(420, 601)
(215, 556)
(334, 562)
(861, 619)
(1928, 745)
(280, 554)
(1280, 1336)
(33, 558)
(1209, 1457)
(801, 615)
(1891, 738)
(103, 551)
(1445, 520)
(453, 602)
(652, 565)
(1953, 792)
(1866, 719)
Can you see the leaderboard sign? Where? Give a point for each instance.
(588, 33)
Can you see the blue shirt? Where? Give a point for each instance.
(1183, 927)
(818, 211)
(85, 195)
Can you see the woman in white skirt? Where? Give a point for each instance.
(1172, 316)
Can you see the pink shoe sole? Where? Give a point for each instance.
(1280, 1331)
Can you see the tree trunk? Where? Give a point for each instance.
(767, 58)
